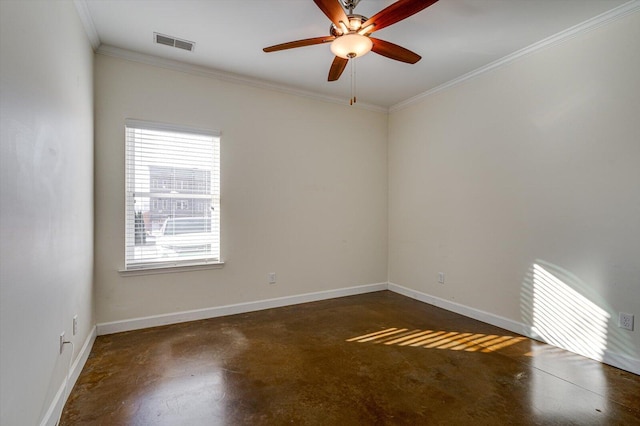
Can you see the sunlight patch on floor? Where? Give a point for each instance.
(439, 339)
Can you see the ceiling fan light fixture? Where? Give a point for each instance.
(351, 45)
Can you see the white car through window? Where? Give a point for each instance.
(185, 236)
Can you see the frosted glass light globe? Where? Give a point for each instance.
(351, 45)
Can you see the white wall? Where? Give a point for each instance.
(533, 163)
(46, 200)
(537, 162)
(304, 191)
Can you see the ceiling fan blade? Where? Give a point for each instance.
(393, 51)
(299, 43)
(337, 67)
(397, 12)
(333, 10)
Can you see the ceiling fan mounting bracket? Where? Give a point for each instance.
(349, 4)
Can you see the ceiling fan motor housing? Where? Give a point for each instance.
(354, 24)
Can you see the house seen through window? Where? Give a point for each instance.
(172, 196)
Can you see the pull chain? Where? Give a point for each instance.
(353, 80)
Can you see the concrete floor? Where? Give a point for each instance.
(372, 359)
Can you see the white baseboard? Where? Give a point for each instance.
(240, 308)
(53, 413)
(622, 362)
(614, 359)
(467, 311)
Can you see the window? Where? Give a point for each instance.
(162, 229)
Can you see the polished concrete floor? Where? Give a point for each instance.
(372, 359)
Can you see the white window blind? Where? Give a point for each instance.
(172, 196)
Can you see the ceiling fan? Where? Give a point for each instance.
(350, 33)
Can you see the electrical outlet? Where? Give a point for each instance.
(625, 321)
(61, 341)
(272, 277)
(75, 324)
(441, 277)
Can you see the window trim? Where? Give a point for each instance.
(170, 266)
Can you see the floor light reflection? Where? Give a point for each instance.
(566, 388)
(174, 398)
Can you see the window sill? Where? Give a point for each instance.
(169, 269)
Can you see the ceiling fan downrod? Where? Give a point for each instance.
(349, 5)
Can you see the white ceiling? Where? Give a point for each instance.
(454, 37)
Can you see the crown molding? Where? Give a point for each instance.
(87, 23)
(554, 40)
(201, 71)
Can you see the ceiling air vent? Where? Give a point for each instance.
(173, 42)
